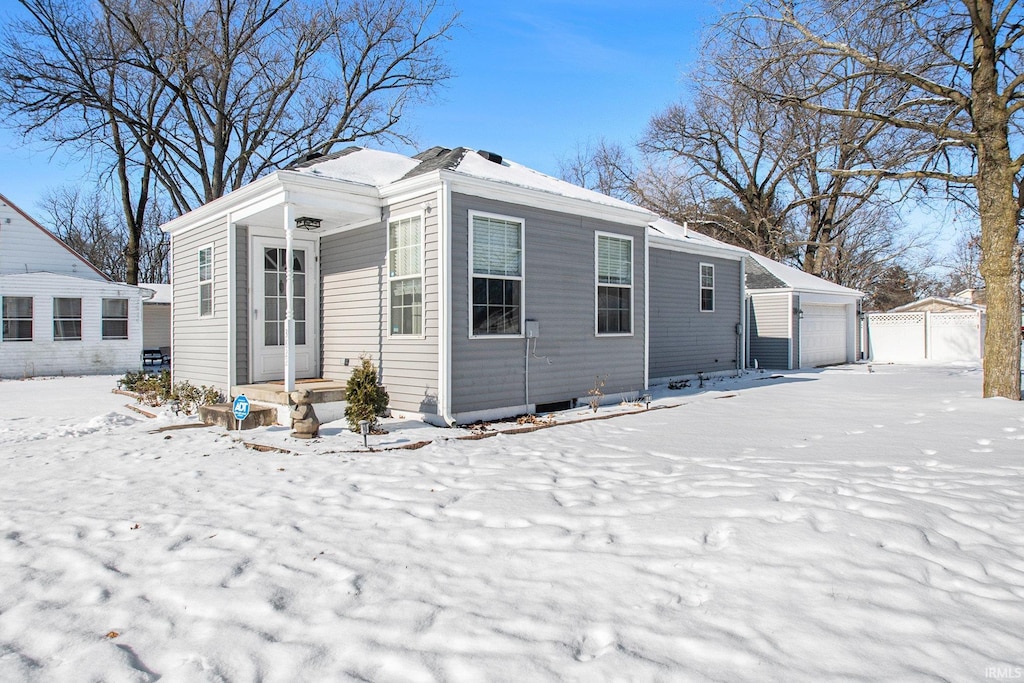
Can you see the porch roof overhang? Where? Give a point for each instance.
(336, 203)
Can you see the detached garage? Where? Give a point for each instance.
(797, 320)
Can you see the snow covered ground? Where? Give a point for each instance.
(827, 525)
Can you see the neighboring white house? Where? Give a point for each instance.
(797, 320)
(61, 316)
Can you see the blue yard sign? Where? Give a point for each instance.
(240, 408)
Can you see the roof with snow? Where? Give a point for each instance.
(161, 293)
(688, 236)
(771, 272)
(379, 168)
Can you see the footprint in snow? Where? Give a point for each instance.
(717, 537)
(597, 641)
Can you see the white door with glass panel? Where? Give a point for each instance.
(269, 307)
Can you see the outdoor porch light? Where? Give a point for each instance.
(307, 223)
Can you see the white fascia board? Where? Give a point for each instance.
(514, 194)
(242, 197)
(274, 190)
(669, 244)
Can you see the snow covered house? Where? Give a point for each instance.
(797, 320)
(61, 316)
(480, 287)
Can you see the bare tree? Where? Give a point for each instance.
(202, 97)
(91, 224)
(960, 65)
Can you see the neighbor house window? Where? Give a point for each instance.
(496, 248)
(67, 319)
(115, 318)
(614, 284)
(205, 281)
(17, 318)
(707, 287)
(405, 276)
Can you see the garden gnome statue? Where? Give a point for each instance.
(304, 422)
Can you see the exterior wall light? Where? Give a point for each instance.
(307, 223)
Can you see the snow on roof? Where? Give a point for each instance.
(798, 279)
(952, 302)
(161, 293)
(360, 165)
(511, 173)
(687, 234)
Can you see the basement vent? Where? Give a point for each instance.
(490, 156)
(553, 407)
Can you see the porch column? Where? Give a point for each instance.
(289, 292)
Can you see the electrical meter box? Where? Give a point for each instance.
(532, 329)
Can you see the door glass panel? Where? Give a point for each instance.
(275, 301)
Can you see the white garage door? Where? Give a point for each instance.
(823, 335)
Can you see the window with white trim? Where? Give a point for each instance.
(67, 319)
(17, 318)
(707, 287)
(206, 281)
(496, 249)
(405, 276)
(614, 284)
(115, 319)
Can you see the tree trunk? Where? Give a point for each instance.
(998, 212)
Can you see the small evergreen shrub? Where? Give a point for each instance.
(366, 398)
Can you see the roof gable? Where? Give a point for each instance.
(28, 247)
(793, 278)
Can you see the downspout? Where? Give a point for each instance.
(444, 304)
(232, 303)
(741, 334)
(647, 308)
(289, 294)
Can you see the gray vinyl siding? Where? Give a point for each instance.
(768, 323)
(200, 344)
(559, 293)
(354, 311)
(242, 304)
(685, 340)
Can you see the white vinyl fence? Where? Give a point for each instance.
(895, 337)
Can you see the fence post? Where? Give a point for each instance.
(927, 335)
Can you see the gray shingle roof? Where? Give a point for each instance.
(759, 278)
(306, 161)
(435, 159)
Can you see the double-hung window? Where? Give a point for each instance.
(17, 318)
(707, 287)
(614, 284)
(496, 252)
(205, 281)
(115, 319)
(67, 319)
(405, 276)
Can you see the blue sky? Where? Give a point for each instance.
(533, 80)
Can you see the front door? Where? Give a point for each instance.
(270, 305)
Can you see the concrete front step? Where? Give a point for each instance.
(220, 414)
(323, 392)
